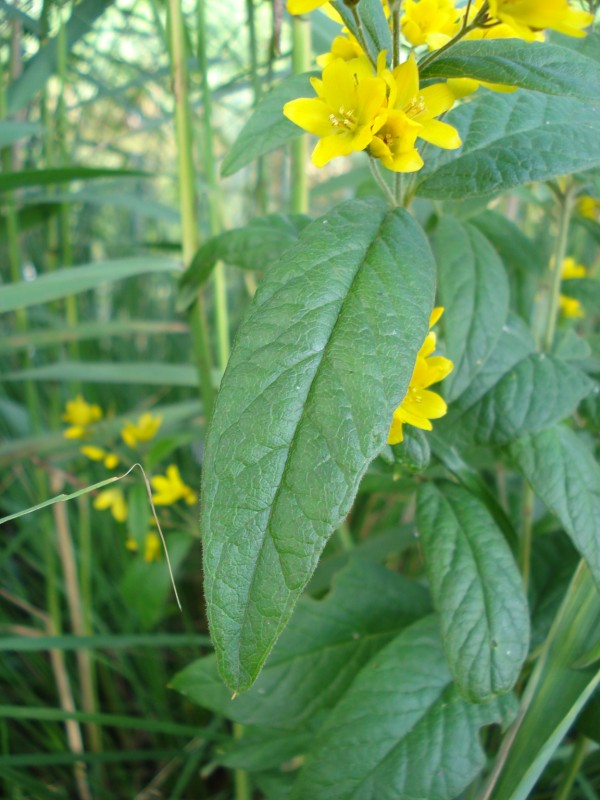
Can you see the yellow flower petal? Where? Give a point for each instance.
(92, 452)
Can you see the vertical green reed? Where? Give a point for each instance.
(187, 195)
(262, 183)
(212, 183)
(301, 57)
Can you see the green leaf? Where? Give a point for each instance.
(267, 129)
(149, 373)
(255, 246)
(319, 653)
(509, 140)
(71, 281)
(477, 591)
(294, 427)
(539, 67)
(13, 130)
(47, 177)
(517, 392)
(473, 289)
(374, 25)
(555, 694)
(586, 290)
(409, 732)
(565, 475)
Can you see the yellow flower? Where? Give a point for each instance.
(152, 547)
(111, 460)
(112, 499)
(146, 428)
(423, 105)
(81, 415)
(588, 206)
(570, 307)
(132, 545)
(430, 22)
(349, 109)
(303, 6)
(571, 269)
(528, 17)
(170, 488)
(344, 47)
(421, 405)
(394, 144)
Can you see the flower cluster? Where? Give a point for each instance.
(379, 110)
(420, 404)
(169, 488)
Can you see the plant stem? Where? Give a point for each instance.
(460, 35)
(526, 539)
(381, 183)
(360, 35)
(214, 199)
(241, 779)
(345, 537)
(300, 63)
(187, 197)
(560, 250)
(396, 9)
(574, 765)
(261, 176)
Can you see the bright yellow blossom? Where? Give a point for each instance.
(81, 415)
(146, 428)
(111, 460)
(112, 499)
(394, 144)
(571, 269)
(588, 206)
(349, 109)
(430, 22)
(423, 105)
(303, 6)
(528, 17)
(344, 47)
(152, 547)
(421, 405)
(170, 488)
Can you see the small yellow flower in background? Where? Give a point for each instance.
(114, 500)
(132, 545)
(344, 47)
(152, 547)
(111, 460)
(170, 488)
(146, 429)
(80, 415)
(570, 307)
(430, 22)
(528, 17)
(304, 6)
(588, 206)
(421, 405)
(349, 109)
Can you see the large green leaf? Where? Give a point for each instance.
(324, 646)
(565, 475)
(267, 129)
(557, 691)
(477, 591)
(512, 139)
(66, 282)
(322, 359)
(540, 67)
(473, 289)
(255, 246)
(518, 391)
(401, 731)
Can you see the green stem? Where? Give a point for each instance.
(360, 35)
(381, 183)
(345, 537)
(187, 197)
(435, 54)
(560, 250)
(262, 182)
(301, 56)
(214, 199)
(526, 540)
(396, 9)
(574, 765)
(241, 779)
